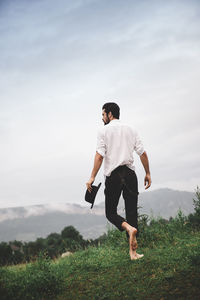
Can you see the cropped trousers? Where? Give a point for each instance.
(123, 181)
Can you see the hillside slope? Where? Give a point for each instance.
(168, 270)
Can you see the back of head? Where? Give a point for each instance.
(113, 108)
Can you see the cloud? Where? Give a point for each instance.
(40, 210)
(59, 64)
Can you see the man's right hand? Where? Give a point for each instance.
(147, 181)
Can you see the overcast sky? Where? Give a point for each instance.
(60, 61)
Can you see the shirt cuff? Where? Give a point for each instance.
(100, 152)
(140, 152)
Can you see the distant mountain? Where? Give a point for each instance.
(28, 223)
(166, 202)
(162, 203)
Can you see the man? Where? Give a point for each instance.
(116, 143)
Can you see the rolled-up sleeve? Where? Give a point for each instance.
(138, 147)
(101, 147)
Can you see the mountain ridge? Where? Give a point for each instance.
(30, 222)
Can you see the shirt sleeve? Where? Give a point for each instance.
(138, 147)
(101, 147)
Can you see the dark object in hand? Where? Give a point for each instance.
(90, 197)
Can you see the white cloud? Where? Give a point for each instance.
(59, 63)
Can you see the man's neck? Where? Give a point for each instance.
(113, 119)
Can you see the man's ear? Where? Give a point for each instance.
(110, 115)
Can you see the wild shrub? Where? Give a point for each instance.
(194, 219)
(194, 255)
(115, 238)
(153, 231)
(196, 201)
(38, 280)
(5, 254)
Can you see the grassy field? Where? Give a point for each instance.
(169, 269)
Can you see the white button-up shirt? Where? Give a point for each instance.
(116, 142)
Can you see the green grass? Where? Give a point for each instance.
(168, 270)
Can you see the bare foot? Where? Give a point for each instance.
(132, 238)
(134, 255)
(132, 231)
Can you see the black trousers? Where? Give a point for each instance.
(122, 180)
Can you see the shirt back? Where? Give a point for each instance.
(116, 142)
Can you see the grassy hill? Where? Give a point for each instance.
(168, 270)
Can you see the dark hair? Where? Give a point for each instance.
(113, 108)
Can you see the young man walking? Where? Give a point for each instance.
(116, 143)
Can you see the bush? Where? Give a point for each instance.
(194, 219)
(37, 281)
(5, 254)
(196, 201)
(194, 256)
